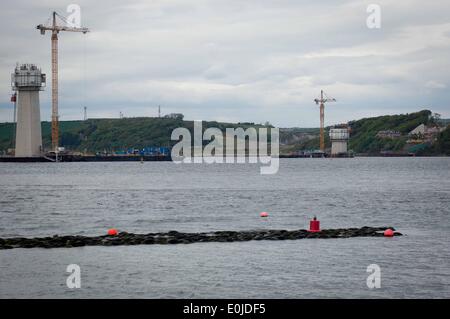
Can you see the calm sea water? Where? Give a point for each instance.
(411, 194)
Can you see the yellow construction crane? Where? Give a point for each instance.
(55, 29)
(322, 102)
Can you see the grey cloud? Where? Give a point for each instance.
(237, 60)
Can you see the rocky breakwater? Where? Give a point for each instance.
(174, 237)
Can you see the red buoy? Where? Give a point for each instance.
(112, 232)
(314, 225)
(264, 214)
(388, 233)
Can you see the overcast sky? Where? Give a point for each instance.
(236, 60)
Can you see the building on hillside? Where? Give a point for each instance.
(174, 116)
(423, 133)
(419, 130)
(389, 134)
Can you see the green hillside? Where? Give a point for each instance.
(6, 135)
(94, 135)
(363, 137)
(363, 132)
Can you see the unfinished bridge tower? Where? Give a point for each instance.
(339, 136)
(28, 80)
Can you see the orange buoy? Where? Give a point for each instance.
(112, 232)
(388, 233)
(314, 225)
(264, 214)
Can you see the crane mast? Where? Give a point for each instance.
(55, 29)
(321, 102)
(55, 119)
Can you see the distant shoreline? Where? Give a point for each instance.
(134, 158)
